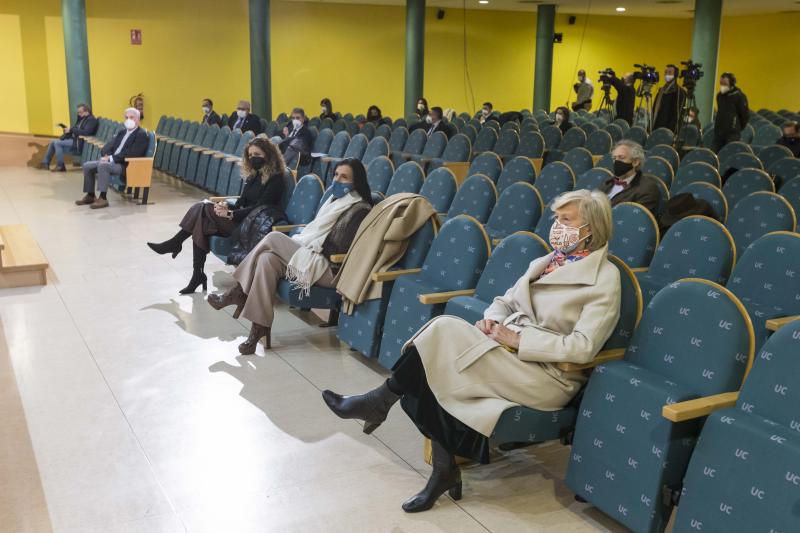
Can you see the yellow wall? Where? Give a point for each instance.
(352, 54)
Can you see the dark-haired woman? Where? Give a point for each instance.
(303, 259)
(422, 108)
(262, 170)
(327, 109)
(562, 119)
(374, 115)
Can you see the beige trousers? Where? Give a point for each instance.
(261, 271)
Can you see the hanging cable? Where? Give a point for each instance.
(469, 93)
(580, 47)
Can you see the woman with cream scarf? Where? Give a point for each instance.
(303, 259)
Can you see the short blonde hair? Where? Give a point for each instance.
(595, 210)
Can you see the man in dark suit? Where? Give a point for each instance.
(629, 184)
(296, 140)
(436, 122)
(669, 101)
(244, 119)
(129, 142)
(85, 124)
(210, 116)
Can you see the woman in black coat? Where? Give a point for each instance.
(263, 170)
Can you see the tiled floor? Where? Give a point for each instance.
(141, 416)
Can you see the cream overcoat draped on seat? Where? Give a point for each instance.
(565, 316)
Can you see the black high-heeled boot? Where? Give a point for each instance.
(372, 407)
(198, 276)
(446, 477)
(172, 245)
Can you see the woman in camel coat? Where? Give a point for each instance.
(456, 379)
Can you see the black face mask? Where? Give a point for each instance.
(621, 168)
(257, 162)
(791, 139)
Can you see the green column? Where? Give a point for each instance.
(705, 50)
(260, 68)
(543, 71)
(76, 48)
(415, 53)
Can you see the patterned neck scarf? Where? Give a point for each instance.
(560, 259)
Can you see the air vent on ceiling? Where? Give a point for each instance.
(669, 2)
(530, 1)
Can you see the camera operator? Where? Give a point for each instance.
(669, 101)
(626, 95)
(791, 137)
(583, 91)
(732, 112)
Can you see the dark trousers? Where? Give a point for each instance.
(99, 173)
(201, 221)
(419, 403)
(721, 140)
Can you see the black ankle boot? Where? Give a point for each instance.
(172, 245)
(198, 276)
(446, 477)
(371, 407)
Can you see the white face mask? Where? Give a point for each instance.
(688, 119)
(323, 110)
(559, 117)
(129, 124)
(485, 112)
(668, 77)
(296, 123)
(421, 107)
(724, 88)
(428, 119)
(241, 113)
(206, 109)
(565, 239)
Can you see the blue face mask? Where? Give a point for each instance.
(339, 189)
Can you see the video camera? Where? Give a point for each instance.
(646, 73)
(692, 72)
(606, 75)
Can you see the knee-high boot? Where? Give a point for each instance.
(172, 245)
(198, 276)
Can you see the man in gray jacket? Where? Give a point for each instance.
(583, 91)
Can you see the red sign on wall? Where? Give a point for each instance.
(136, 36)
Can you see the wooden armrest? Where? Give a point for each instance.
(495, 242)
(233, 159)
(326, 159)
(216, 199)
(209, 152)
(287, 227)
(182, 143)
(442, 297)
(219, 155)
(132, 159)
(85, 137)
(391, 275)
(338, 259)
(690, 409)
(640, 269)
(774, 324)
(602, 357)
(201, 149)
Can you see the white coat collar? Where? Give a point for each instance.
(583, 272)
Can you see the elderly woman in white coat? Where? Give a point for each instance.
(455, 379)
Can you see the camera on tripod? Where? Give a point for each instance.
(605, 78)
(646, 73)
(691, 73)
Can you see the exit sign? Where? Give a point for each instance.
(136, 36)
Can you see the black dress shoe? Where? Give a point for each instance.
(372, 407)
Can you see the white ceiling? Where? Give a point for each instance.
(634, 8)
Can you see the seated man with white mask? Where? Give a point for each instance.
(296, 141)
(129, 142)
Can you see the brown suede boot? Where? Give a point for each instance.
(235, 296)
(257, 331)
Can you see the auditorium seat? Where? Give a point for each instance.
(397, 141)
(555, 179)
(736, 147)
(635, 236)
(659, 136)
(414, 145)
(229, 178)
(336, 151)
(772, 153)
(320, 147)
(696, 247)
(522, 424)
(599, 143)
(517, 209)
(379, 173)
(377, 147)
(162, 156)
(531, 145)
(182, 136)
(694, 172)
(636, 134)
(434, 148)
(458, 150)
(668, 153)
(439, 188)
(784, 170)
(700, 155)
(362, 330)
(518, 169)
(711, 194)
(194, 137)
(579, 159)
(470, 131)
(624, 455)
(791, 191)
(187, 167)
(507, 143)
(766, 135)
(484, 141)
(211, 176)
(739, 161)
(743, 474)
(757, 214)
(615, 131)
(475, 197)
(368, 130)
(384, 130)
(574, 137)
(487, 164)
(660, 168)
(552, 137)
(408, 177)
(746, 181)
(454, 262)
(593, 178)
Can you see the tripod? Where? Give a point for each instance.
(689, 103)
(606, 104)
(645, 107)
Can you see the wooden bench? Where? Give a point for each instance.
(22, 263)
